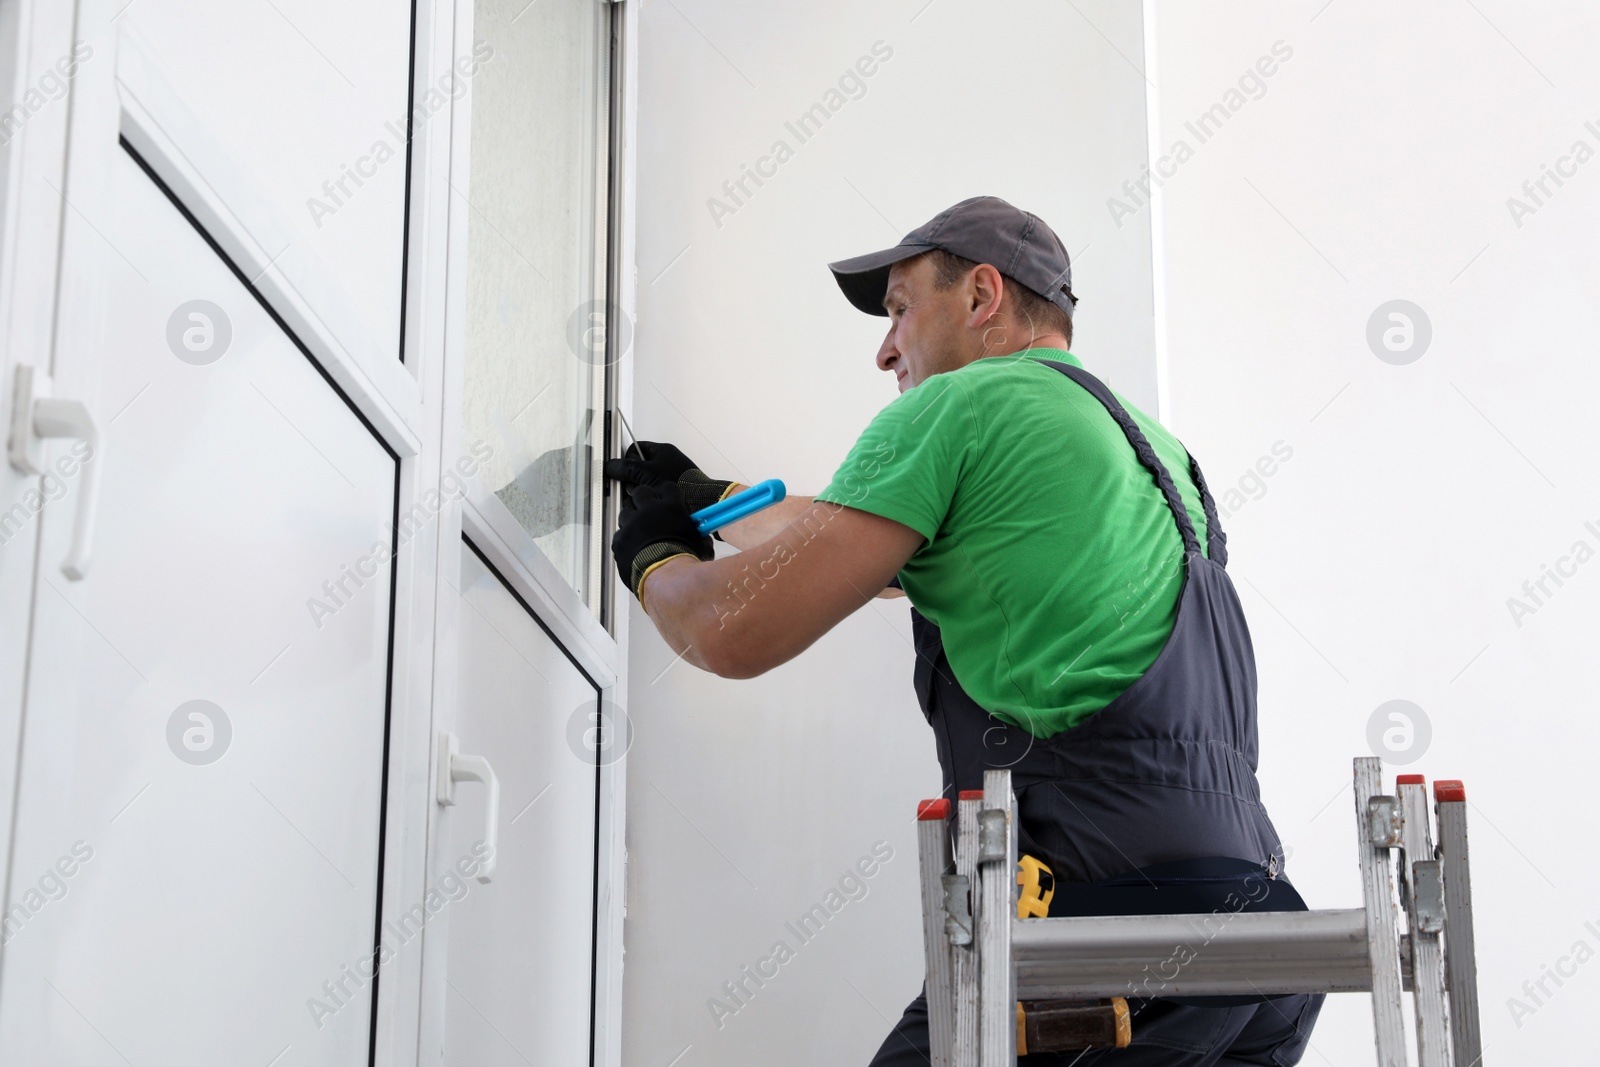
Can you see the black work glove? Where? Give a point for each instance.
(653, 527)
(656, 463)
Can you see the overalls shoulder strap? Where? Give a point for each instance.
(1216, 541)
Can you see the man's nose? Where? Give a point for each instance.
(888, 354)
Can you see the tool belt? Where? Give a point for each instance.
(1213, 886)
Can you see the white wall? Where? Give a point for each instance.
(1377, 563)
(749, 800)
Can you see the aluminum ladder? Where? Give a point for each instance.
(982, 960)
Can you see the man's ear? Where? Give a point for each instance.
(985, 288)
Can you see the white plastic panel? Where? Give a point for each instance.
(295, 114)
(521, 948)
(182, 887)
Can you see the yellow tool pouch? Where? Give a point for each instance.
(1036, 884)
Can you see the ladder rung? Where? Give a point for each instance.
(1224, 954)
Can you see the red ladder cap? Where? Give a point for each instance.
(970, 794)
(1410, 779)
(933, 809)
(1449, 789)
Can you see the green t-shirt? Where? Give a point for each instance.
(1052, 564)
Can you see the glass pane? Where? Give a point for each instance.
(536, 270)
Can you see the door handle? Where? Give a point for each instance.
(35, 416)
(453, 768)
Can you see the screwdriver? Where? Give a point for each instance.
(738, 506)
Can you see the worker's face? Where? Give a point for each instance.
(929, 328)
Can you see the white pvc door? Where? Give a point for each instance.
(196, 863)
(519, 978)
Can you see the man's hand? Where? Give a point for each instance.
(657, 463)
(655, 526)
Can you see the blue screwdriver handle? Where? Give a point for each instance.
(759, 496)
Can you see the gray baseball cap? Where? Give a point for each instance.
(984, 229)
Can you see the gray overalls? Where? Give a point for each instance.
(1163, 774)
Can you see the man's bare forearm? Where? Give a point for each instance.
(767, 523)
(742, 615)
(676, 596)
(724, 617)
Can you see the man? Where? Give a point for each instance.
(1073, 620)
